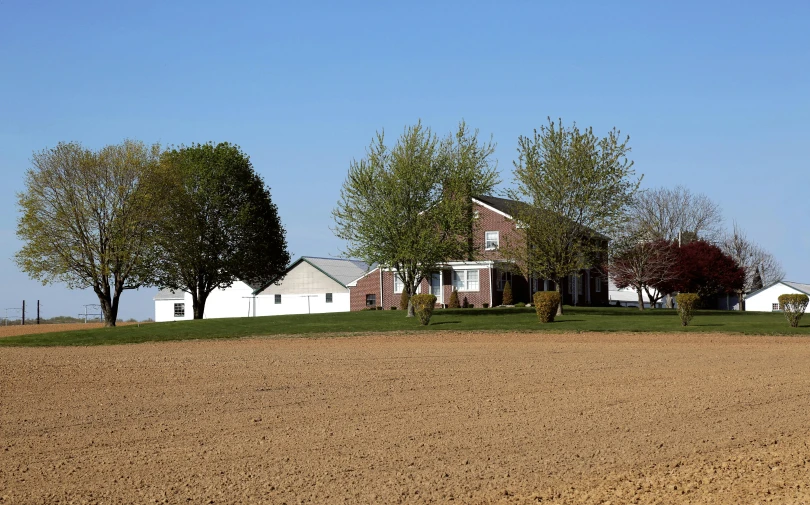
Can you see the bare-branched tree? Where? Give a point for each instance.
(761, 268)
(677, 213)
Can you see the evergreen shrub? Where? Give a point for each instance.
(545, 304)
(465, 304)
(454, 300)
(403, 300)
(508, 299)
(423, 306)
(793, 306)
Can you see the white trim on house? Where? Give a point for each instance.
(490, 207)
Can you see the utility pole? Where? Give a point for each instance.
(37, 311)
(23, 314)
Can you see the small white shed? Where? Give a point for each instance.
(767, 298)
(235, 301)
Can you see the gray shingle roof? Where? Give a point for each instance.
(804, 288)
(342, 270)
(168, 294)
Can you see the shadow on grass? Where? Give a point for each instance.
(445, 322)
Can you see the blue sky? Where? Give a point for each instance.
(714, 96)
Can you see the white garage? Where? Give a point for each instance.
(767, 298)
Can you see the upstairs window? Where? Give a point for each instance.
(328, 297)
(179, 310)
(491, 240)
(278, 299)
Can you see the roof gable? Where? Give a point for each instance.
(342, 271)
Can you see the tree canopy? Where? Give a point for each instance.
(576, 188)
(88, 218)
(704, 269)
(219, 223)
(408, 207)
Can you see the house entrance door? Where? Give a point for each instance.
(436, 287)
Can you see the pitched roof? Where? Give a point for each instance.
(168, 294)
(342, 271)
(512, 207)
(798, 286)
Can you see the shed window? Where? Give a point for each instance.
(278, 299)
(775, 307)
(328, 297)
(179, 310)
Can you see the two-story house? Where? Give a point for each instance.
(482, 280)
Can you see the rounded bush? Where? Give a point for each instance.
(423, 306)
(545, 304)
(393, 308)
(793, 306)
(520, 305)
(687, 303)
(485, 305)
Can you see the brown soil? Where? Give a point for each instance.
(30, 329)
(462, 418)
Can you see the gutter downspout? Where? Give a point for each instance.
(489, 268)
(381, 290)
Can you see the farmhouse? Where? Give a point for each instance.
(310, 285)
(480, 281)
(767, 298)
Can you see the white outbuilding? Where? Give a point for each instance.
(767, 298)
(310, 285)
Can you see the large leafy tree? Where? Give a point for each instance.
(220, 224)
(576, 189)
(88, 218)
(407, 206)
(704, 269)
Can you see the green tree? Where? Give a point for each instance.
(576, 189)
(88, 218)
(407, 206)
(220, 224)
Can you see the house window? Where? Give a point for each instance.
(179, 310)
(774, 307)
(475, 214)
(278, 299)
(491, 240)
(328, 297)
(598, 285)
(399, 286)
(371, 300)
(465, 280)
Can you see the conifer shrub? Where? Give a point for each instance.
(454, 300)
(545, 304)
(465, 304)
(508, 299)
(687, 303)
(423, 307)
(793, 306)
(403, 300)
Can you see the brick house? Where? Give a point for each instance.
(480, 281)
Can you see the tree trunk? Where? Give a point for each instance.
(670, 301)
(640, 299)
(105, 301)
(741, 300)
(198, 303)
(411, 312)
(411, 291)
(558, 284)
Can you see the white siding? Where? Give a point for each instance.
(763, 301)
(296, 303)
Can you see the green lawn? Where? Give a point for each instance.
(499, 319)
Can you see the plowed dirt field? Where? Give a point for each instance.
(31, 329)
(440, 418)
